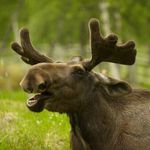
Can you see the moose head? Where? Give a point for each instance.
(69, 86)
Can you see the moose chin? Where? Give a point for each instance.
(104, 113)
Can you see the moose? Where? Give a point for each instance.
(105, 113)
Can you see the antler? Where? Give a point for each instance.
(105, 49)
(28, 54)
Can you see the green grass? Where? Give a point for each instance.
(21, 129)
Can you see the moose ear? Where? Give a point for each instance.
(117, 88)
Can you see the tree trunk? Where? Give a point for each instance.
(14, 20)
(82, 39)
(15, 27)
(114, 68)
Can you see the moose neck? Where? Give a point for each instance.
(96, 122)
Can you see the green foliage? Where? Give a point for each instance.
(52, 19)
(59, 22)
(135, 18)
(66, 22)
(5, 19)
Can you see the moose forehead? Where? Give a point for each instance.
(57, 66)
(54, 68)
(50, 73)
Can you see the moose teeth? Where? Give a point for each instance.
(32, 102)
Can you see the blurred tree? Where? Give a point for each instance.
(8, 8)
(57, 22)
(135, 18)
(132, 23)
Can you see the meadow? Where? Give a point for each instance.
(21, 129)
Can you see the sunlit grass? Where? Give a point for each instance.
(21, 129)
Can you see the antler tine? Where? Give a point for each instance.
(105, 49)
(28, 54)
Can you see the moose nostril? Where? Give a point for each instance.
(28, 90)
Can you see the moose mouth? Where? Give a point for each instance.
(37, 102)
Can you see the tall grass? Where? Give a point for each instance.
(21, 129)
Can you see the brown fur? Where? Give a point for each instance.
(105, 114)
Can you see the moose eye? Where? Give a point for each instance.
(78, 71)
(42, 86)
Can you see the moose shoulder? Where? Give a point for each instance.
(105, 113)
